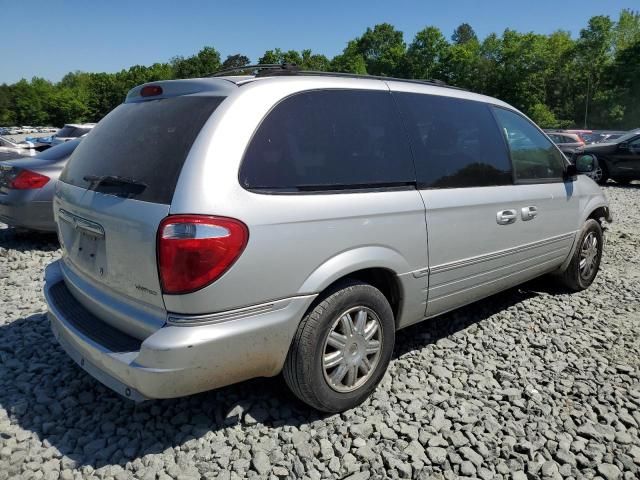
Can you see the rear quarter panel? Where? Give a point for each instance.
(298, 244)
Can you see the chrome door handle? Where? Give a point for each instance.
(505, 217)
(529, 213)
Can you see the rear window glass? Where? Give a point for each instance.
(456, 142)
(146, 142)
(59, 151)
(329, 140)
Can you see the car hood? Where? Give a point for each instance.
(600, 148)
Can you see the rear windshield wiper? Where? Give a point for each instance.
(115, 185)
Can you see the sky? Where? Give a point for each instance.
(49, 39)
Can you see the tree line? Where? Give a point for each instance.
(559, 81)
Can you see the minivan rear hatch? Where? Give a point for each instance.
(112, 195)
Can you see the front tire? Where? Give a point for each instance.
(342, 348)
(600, 174)
(585, 263)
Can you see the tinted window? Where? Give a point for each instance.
(456, 142)
(329, 139)
(147, 142)
(59, 151)
(534, 157)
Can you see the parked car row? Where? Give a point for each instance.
(616, 154)
(292, 223)
(27, 187)
(618, 159)
(10, 149)
(586, 137)
(25, 129)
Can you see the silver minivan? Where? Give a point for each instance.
(219, 229)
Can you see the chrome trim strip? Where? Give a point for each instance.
(212, 318)
(420, 273)
(539, 259)
(480, 285)
(80, 223)
(502, 253)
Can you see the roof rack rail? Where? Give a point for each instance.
(438, 83)
(283, 69)
(260, 69)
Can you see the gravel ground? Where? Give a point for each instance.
(531, 383)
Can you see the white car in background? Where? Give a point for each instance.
(71, 131)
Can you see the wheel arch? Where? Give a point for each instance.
(377, 266)
(596, 210)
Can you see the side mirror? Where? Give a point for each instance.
(585, 163)
(571, 171)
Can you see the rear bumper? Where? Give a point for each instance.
(175, 360)
(33, 215)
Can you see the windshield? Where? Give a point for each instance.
(146, 142)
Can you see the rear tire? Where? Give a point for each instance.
(342, 348)
(585, 263)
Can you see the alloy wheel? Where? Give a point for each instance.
(596, 174)
(352, 349)
(588, 255)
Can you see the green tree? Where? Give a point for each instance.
(234, 61)
(593, 54)
(461, 64)
(426, 54)
(205, 62)
(7, 112)
(383, 49)
(279, 56)
(350, 60)
(30, 100)
(543, 116)
(627, 30)
(464, 33)
(555, 79)
(105, 93)
(311, 61)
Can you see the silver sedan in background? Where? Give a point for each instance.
(10, 149)
(27, 186)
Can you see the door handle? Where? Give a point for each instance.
(529, 213)
(505, 217)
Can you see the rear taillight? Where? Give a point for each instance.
(28, 180)
(195, 250)
(151, 91)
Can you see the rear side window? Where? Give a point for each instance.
(327, 140)
(535, 159)
(456, 142)
(147, 142)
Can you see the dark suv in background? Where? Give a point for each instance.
(618, 160)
